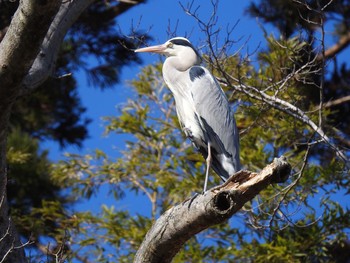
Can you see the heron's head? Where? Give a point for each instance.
(177, 46)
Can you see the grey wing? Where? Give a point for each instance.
(214, 112)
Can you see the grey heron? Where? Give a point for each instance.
(202, 107)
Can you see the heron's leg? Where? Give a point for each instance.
(208, 167)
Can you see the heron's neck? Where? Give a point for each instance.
(174, 69)
(174, 75)
(182, 63)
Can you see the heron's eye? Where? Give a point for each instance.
(170, 45)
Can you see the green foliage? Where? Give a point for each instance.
(31, 203)
(56, 115)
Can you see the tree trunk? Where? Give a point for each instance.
(215, 206)
(18, 49)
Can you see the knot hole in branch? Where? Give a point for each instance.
(223, 201)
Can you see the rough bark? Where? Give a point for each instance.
(18, 50)
(181, 222)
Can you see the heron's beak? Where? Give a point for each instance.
(154, 49)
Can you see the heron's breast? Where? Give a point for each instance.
(188, 118)
(178, 83)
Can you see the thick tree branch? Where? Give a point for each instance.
(215, 206)
(21, 43)
(44, 65)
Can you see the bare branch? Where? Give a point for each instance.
(341, 137)
(336, 102)
(215, 206)
(286, 107)
(331, 52)
(290, 187)
(343, 42)
(12, 248)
